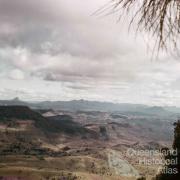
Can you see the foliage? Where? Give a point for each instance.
(159, 17)
(169, 156)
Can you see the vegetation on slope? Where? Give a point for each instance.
(57, 124)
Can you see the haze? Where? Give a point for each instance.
(58, 50)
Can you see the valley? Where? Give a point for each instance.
(37, 143)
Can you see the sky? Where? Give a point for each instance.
(59, 50)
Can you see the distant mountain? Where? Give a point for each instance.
(173, 109)
(14, 102)
(77, 105)
(156, 110)
(83, 105)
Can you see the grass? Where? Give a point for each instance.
(70, 167)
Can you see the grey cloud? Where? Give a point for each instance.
(37, 23)
(57, 42)
(18, 11)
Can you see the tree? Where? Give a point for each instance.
(174, 167)
(176, 144)
(159, 17)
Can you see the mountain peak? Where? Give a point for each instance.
(16, 99)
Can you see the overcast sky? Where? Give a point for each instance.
(58, 50)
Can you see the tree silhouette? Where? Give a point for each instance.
(159, 17)
(169, 156)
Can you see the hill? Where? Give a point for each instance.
(19, 112)
(58, 124)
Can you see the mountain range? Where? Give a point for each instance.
(84, 105)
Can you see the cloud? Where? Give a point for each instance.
(60, 26)
(16, 74)
(65, 53)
